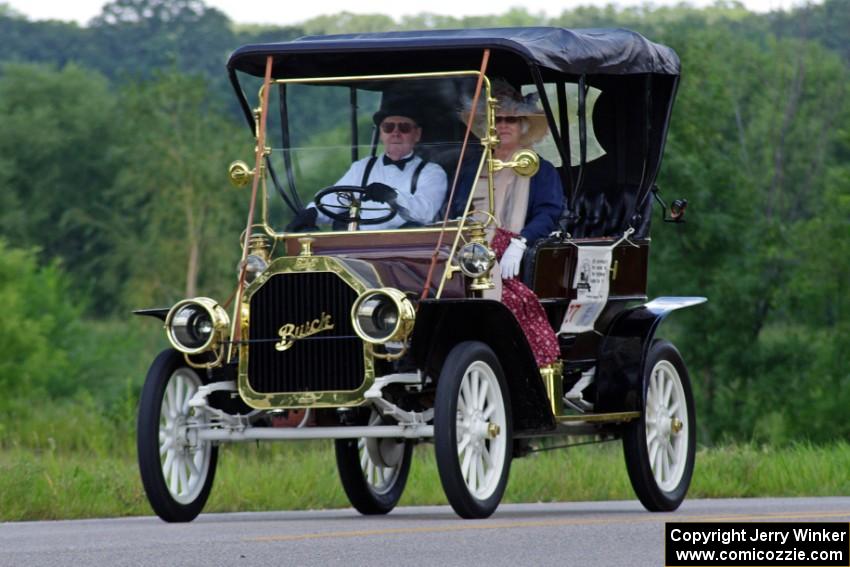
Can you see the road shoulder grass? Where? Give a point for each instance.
(51, 484)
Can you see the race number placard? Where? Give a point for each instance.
(591, 282)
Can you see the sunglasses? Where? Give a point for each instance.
(403, 127)
(508, 119)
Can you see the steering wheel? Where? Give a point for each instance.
(346, 195)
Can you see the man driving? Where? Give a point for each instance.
(397, 178)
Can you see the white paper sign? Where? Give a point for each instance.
(591, 282)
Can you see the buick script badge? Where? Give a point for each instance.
(289, 333)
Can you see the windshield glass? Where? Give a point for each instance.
(380, 153)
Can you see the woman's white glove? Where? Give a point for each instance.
(512, 258)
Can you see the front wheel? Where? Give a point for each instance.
(177, 468)
(472, 430)
(660, 446)
(373, 471)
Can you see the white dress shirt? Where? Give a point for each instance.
(421, 207)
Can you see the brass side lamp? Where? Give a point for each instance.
(524, 162)
(240, 174)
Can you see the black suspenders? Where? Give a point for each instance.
(368, 171)
(416, 173)
(413, 182)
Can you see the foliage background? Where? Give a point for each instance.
(115, 137)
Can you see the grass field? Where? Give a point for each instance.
(50, 482)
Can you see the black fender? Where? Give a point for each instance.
(443, 323)
(158, 312)
(623, 351)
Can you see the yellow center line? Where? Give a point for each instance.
(550, 523)
(770, 516)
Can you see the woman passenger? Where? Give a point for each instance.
(526, 209)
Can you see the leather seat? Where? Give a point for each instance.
(607, 213)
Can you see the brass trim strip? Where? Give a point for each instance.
(485, 156)
(553, 376)
(259, 152)
(364, 78)
(324, 234)
(490, 141)
(599, 417)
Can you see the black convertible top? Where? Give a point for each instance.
(639, 79)
(556, 50)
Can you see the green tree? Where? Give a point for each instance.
(752, 131)
(57, 143)
(51, 41)
(7, 11)
(346, 22)
(827, 22)
(119, 176)
(38, 327)
(181, 233)
(145, 35)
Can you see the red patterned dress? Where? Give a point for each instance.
(526, 307)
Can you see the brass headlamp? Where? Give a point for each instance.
(196, 325)
(383, 315)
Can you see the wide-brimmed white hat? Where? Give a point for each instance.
(510, 103)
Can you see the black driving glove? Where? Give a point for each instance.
(304, 221)
(380, 192)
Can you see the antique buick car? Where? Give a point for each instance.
(382, 331)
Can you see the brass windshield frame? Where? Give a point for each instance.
(489, 142)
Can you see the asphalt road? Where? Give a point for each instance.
(575, 533)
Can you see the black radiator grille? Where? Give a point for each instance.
(328, 360)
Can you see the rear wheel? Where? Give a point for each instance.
(660, 446)
(373, 471)
(177, 468)
(472, 430)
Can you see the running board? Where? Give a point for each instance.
(620, 416)
(418, 431)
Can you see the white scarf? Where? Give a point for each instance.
(510, 191)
